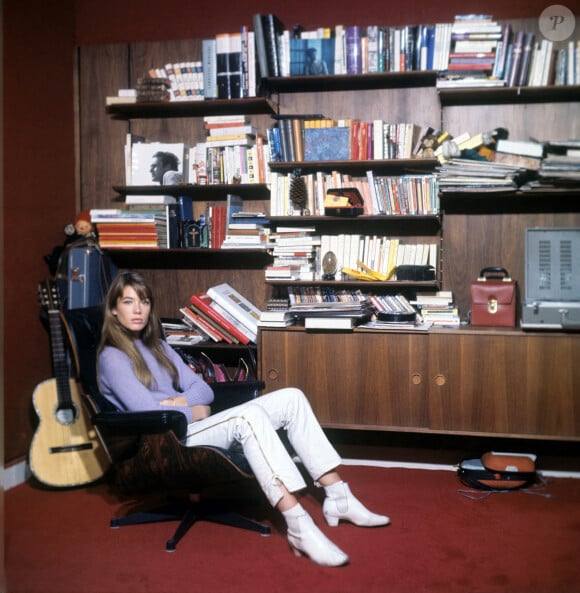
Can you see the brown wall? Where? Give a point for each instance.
(38, 190)
(39, 185)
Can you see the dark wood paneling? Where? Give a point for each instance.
(103, 69)
(473, 242)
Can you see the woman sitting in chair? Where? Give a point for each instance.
(139, 371)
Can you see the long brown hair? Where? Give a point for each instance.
(116, 335)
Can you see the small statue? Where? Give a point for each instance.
(428, 146)
(81, 228)
(83, 225)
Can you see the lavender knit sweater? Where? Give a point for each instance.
(119, 384)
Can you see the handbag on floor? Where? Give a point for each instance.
(498, 471)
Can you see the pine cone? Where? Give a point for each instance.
(297, 190)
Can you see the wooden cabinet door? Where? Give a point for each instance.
(508, 384)
(353, 380)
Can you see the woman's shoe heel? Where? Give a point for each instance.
(331, 520)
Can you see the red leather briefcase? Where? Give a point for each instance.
(494, 299)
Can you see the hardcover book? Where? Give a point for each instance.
(205, 303)
(209, 69)
(327, 144)
(260, 43)
(521, 147)
(272, 27)
(516, 59)
(353, 50)
(340, 323)
(228, 65)
(201, 319)
(236, 304)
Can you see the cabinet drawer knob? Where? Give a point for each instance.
(416, 378)
(440, 380)
(273, 374)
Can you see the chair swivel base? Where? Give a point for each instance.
(187, 514)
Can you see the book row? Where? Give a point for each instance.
(466, 52)
(471, 47)
(389, 195)
(301, 255)
(323, 139)
(205, 163)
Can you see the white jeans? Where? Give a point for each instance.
(253, 426)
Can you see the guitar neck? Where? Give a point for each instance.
(59, 360)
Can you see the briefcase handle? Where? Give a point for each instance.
(494, 272)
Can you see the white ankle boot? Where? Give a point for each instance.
(340, 504)
(305, 538)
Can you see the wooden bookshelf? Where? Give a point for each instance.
(249, 191)
(180, 109)
(463, 381)
(358, 167)
(349, 82)
(502, 95)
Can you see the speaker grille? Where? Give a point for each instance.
(553, 264)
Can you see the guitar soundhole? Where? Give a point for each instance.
(66, 414)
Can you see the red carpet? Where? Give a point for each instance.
(60, 542)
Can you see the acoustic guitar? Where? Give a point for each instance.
(65, 449)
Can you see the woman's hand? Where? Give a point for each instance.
(200, 412)
(176, 400)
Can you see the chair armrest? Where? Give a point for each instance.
(232, 393)
(138, 423)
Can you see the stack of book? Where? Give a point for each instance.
(325, 308)
(243, 229)
(247, 231)
(294, 251)
(153, 89)
(135, 229)
(522, 153)
(474, 42)
(179, 333)
(468, 176)
(229, 130)
(223, 314)
(561, 170)
(276, 319)
(437, 308)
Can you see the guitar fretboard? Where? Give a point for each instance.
(59, 361)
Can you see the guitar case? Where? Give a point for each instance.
(84, 275)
